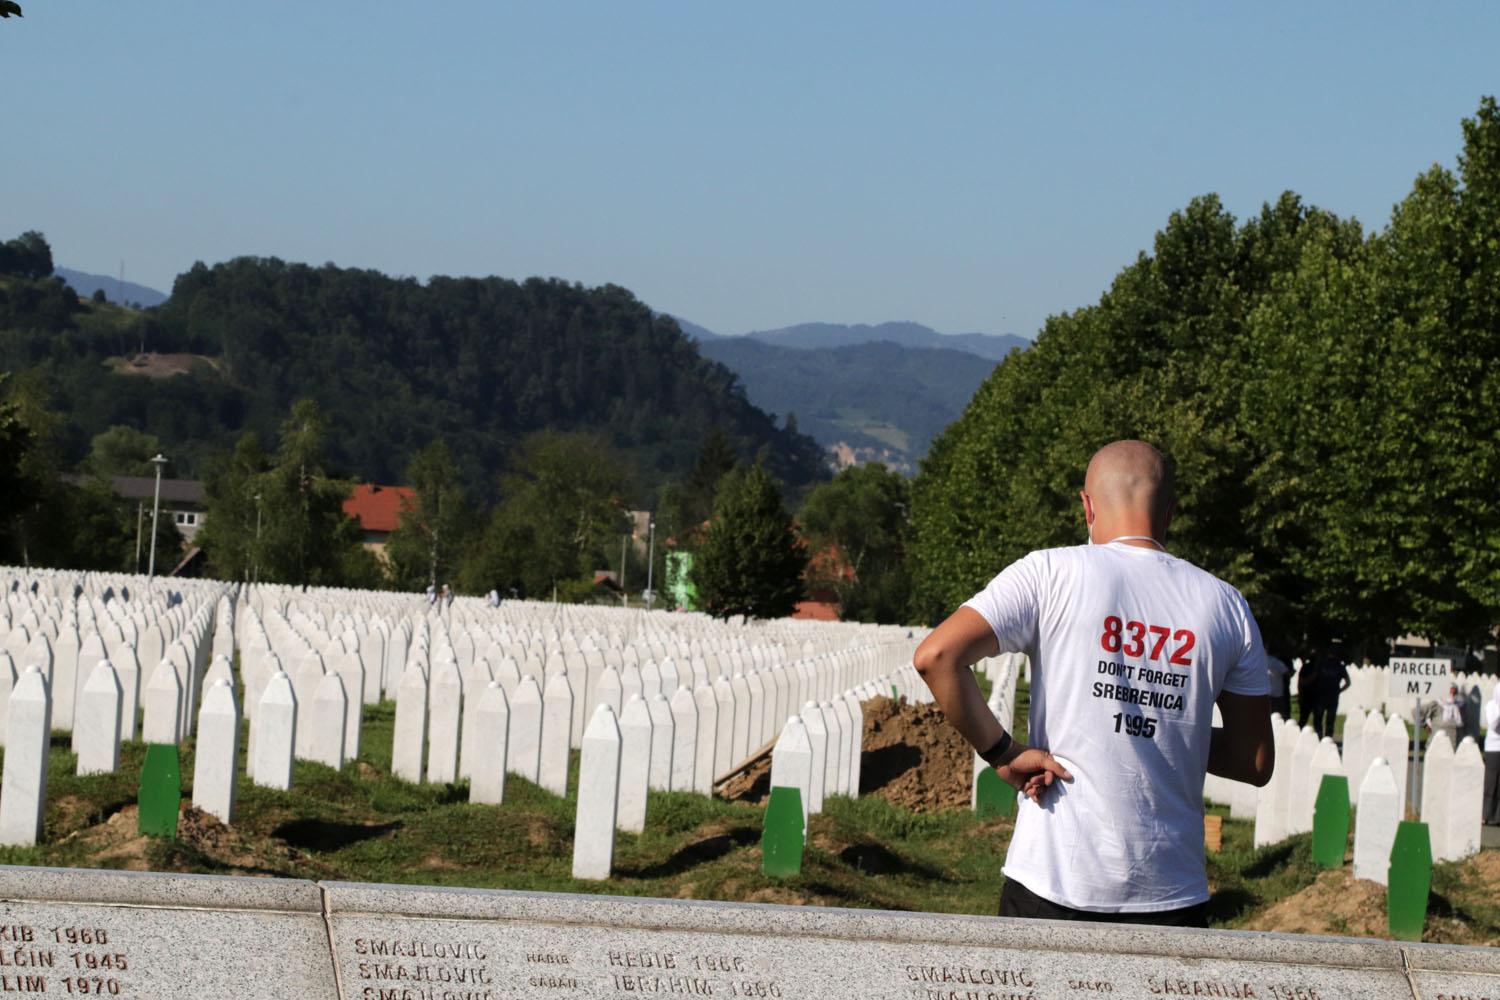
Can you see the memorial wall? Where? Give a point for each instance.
(87, 933)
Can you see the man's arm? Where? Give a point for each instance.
(1245, 749)
(943, 659)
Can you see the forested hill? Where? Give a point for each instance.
(869, 402)
(393, 363)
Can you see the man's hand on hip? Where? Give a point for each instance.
(1032, 771)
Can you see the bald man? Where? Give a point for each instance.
(1130, 650)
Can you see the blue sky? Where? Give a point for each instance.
(972, 166)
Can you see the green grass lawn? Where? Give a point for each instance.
(360, 824)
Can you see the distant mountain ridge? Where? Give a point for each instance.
(870, 402)
(907, 334)
(85, 284)
(809, 336)
(866, 392)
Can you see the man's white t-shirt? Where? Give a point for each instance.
(1129, 649)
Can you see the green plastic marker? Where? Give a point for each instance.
(1409, 881)
(992, 796)
(161, 791)
(781, 840)
(1331, 821)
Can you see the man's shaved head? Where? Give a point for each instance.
(1131, 477)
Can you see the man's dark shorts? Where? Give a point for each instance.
(1018, 901)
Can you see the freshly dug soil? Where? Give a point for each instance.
(912, 758)
(1338, 903)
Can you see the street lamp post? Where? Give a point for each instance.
(158, 460)
(140, 517)
(650, 562)
(624, 594)
(257, 538)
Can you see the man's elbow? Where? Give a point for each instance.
(928, 659)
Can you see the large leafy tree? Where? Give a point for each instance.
(429, 542)
(750, 561)
(1329, 399)
(28, 255)
(281, 518)
(856, 524)
(560, 511)
(232, 531)
(123, 451)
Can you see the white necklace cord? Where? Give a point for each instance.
(1137, 538)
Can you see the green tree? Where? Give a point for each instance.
(430, 540)
(304, 536)
(28, 255)
(750, 561)
(16, 440)
(560, 512)
(122, 451)
(1329, 398)
(236, 518)
(856, 524)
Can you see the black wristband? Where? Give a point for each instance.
(994, 754)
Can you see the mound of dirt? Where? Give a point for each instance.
(912, 758)
(1337, 903)
(118, 843)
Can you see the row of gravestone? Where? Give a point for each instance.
(1452, 785)
(327, 715)
(623, 757)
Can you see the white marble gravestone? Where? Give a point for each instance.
(1379, 813)
(662, 740)
(325, 722)
(96, 732)
(1303, 794)
(607, 691)
(557, 724)
(684, 739)
(409, 741)
(1395, 747)
(275, 733)
(490, 744)
(703, 752)
(7, 684)
(23, 787)
(817, 738)
(444, 713)
(792, 762)
(598, 797)
(163, 703)
(217, 752)
(835, 766)
(524, 754)
(1437, 780)
(635, 764)
(1465, 802)
(351, 671)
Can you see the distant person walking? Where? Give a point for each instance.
(1446, 715)
(1308, 690)
(1278, 676)
(1130, 649)
(1332, 678)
